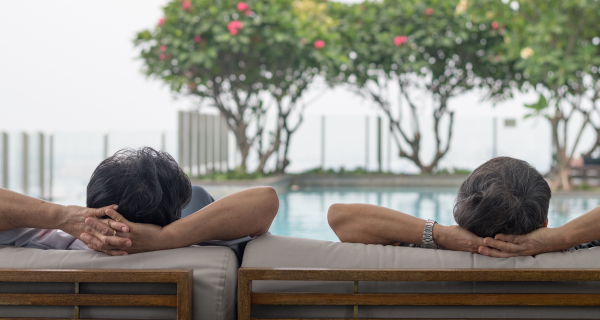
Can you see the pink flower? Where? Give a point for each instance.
(400, 40)
(234, 26)
(242, 6)
(186, 6)
(248, 12)
(161, 21)
(197, 38)
(161, 56)
(494, 25)
(163, 48)
(428, 11)
(319, 44)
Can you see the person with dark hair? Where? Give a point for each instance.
(503, 195)
(158, 209)
(148, 185)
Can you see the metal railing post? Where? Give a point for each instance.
(216, 144)
(180, 142)
(190, 142)
(379, 157)
(202, 159)
(322, 142)
(42, 165)
(50, 166)
(105, 151)
(224, 145)
(5, 160)
(25, 162)
(367, 143)
(209, 144)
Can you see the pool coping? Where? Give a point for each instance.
(283, 183)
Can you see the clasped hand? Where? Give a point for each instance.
(501, 246)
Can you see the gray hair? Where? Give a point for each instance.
(503, 195)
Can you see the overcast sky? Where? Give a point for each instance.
(71, 66)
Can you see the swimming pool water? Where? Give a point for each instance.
(303, 213)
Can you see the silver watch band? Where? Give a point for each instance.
(428, 236)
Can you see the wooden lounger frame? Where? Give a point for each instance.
(182, 277)
(247, 298)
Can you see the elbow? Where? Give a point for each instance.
(269, 201)
(338, 217)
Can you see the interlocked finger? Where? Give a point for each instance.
(97, 245)
(502, 245)
(491, 252)
(506, 237)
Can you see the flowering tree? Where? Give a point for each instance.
(227, 53)
(416, 48)
(556, 46)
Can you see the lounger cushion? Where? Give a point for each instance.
(215, 281)
(278, 251)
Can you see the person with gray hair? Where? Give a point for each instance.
(502, 196)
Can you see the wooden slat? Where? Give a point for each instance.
(52, 299)
(410, 299)
(90, 275)
(88, 319)
(184, 296)
(396, 318)
(421, 274)
(244, 297)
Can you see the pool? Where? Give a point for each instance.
(303, 213)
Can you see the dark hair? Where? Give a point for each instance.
(503, 195)
(148, 185)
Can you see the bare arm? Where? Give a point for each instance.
(248, 212)
(370, 224)
(585, 228)
(21, 211)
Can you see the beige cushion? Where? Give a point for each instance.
(278, 251)
(215, 281)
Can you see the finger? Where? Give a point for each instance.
(101, 212)
(113, 225)
(490, 252)
(117, 241)
(98, 226)
(115, 215)
(93, 242)
(117, 253)
(502, 246)
(506, 237)
(479, 241)
(97, 245)
(119, 226)
(120, 222)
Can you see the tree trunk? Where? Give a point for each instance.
(560, 171)
(415, 142)
(263, 157)
(242, 144)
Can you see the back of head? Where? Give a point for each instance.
(503, 195)
(148, 185)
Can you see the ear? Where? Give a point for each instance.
(546, 223)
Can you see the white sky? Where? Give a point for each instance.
(70, 66)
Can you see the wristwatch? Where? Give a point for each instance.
(428, 236)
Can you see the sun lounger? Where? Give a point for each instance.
(291, 278)
(214, 271)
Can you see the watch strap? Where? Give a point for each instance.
(428, 235)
